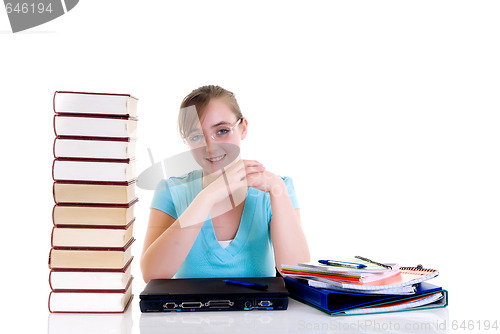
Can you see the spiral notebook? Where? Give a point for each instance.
(405, 281)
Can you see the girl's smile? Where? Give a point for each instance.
(216, 159)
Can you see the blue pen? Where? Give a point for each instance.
(247, 284)
(342, 264)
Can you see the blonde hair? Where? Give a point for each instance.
(199, 99)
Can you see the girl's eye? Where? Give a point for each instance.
(195, 137)
(222, 132)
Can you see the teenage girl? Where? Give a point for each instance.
(231, 218)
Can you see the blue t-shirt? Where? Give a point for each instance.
(250, 254)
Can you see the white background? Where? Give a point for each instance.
(385, 113)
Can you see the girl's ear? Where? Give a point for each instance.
(244, 125)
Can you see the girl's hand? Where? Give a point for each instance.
(233, 180)
(265, 181)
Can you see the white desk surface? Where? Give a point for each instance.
(298, 318)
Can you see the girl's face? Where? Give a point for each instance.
(215, 139)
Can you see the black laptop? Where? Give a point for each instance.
(214, 294)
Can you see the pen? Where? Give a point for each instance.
(342, 264)
(247, 284)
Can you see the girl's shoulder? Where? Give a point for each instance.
(186, 178)
(166, 185)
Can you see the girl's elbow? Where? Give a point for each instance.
(149, 273)
(147, 276)
(144, 270)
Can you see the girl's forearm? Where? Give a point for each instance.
(166, 254)
(289, 241)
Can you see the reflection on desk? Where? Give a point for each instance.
(307, 319)
(85, 323)
(299, 318)
(256, 321)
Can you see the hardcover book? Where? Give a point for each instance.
(93, 170)
(93, 214)
(64, 279)
(93, 126)
(104, 237)
(92, 301)
(90, 258)
(95, 103)
(94, 147)
(75, 193)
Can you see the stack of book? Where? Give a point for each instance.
(94, 194)
(359, 285)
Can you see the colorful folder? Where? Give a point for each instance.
(337, 303)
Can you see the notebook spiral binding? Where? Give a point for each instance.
(418, 268)
(373, 262)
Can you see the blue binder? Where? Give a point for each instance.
(336, 303)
